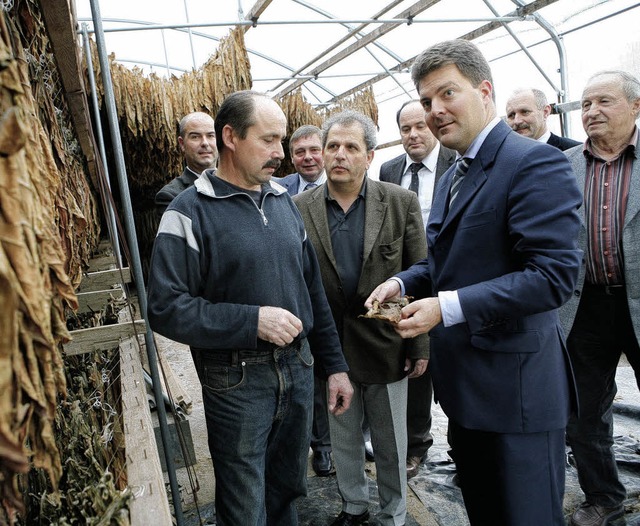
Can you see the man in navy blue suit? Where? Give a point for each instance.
(305, 147)
(502, 257)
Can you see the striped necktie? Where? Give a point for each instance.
(456, 181)
(310, 186)
(414, 185)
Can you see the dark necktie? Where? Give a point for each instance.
(456, 181)
(414, 185)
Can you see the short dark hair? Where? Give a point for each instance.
(403, 107)
(461, 53)
(348, 117)
(238, 111)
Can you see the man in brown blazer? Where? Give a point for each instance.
(365, 231)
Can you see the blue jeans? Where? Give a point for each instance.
(258, 408)
(601, 331)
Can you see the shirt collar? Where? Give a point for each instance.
(544, 137)
(362, 194)
(302, 182)
(429, 162)
(474, 147)
(197, 174)
(630, 147)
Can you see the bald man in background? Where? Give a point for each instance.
(197, 141)
(527, 112)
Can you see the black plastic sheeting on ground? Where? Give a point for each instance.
(435, 486)
(322, 504)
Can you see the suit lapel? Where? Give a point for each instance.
(446, 158)
(439, 204)
(633, 202)
(477, 175)
(473, 181)
(375, 212)
(579, 169)
(398, 170)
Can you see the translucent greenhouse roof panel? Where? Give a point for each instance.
(330, 48)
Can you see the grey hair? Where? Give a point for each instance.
(461, 53)
(630, 84)
(348, 117)
(538, 96)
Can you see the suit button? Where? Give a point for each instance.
(576, 293)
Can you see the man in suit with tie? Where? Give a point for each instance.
(305, 147)
(502, 257)
(365, 231)
(419, 170)
(527, 112)
(602, 318)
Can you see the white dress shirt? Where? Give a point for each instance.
(427, 178)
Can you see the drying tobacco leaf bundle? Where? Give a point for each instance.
(93, 487)
(48, 228)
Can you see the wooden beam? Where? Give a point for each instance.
(351, 34)
(255, 12)
(60, 21)
(101, 263)
(96, 300)
(102, 338)
(144, 471)
(179, 395)
(483, 30)
(385, 28)
(104, 279)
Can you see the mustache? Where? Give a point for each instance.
(272, 163)
(521, 127)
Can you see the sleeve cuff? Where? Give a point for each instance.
(451, 309)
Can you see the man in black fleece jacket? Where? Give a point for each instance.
(234, 276)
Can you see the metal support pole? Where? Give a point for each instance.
(563, 92)
(135, 254)
(113, 230)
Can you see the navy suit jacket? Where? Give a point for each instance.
(291, 182)
(563, 143)
(508, 246)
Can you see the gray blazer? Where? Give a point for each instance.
(630, 243)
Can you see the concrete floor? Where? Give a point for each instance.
(432, 497)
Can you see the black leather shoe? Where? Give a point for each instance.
(346, 519)
(321, 463)
(368, 451)
(594, 515)
(413, 466)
